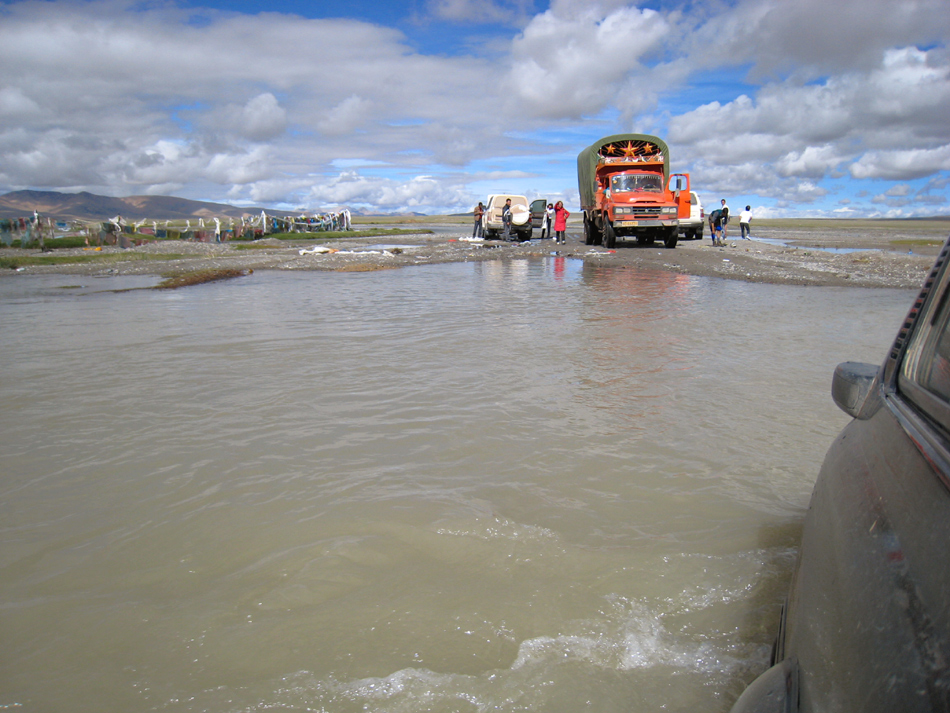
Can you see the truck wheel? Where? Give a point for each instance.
(610, 237)
(670, 241)
(690, 234)
(589, 237)
(526, 235)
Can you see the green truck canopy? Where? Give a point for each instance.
(616, 145)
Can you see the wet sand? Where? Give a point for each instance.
(897, 255)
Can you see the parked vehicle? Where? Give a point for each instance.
(866, 625)
(691, 227)
(538, 208)
(627, 191)
(492, 224)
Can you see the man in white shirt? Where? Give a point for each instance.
(745, 217)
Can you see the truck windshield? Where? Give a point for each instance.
(638, 182)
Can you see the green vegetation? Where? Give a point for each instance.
(824, 224)
(77, 241)
(344, 234)
(12, 262)
(198, 277)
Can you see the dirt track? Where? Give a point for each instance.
(874, 258)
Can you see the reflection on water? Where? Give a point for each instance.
(533, 484)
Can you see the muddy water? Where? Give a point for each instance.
(535, 485)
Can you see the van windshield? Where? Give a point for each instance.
(638, 182)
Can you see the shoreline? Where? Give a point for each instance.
(897, 258)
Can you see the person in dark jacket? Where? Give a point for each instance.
(715, 228)
(479, 212)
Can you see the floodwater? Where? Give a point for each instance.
(531, 485)
(836, 251)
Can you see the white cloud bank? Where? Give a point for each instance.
(122, 97)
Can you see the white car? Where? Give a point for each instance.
(492, 225)
(692, 228)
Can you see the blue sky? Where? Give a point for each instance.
(795, 107)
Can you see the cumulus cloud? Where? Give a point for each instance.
(876, 124)
(119, 96)
(108, 96)
(572, 62)
(345, 116)
(15, 104)
(815, 37)
(420, 192)
(902, 164)
(263, 118)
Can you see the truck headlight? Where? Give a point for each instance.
(623, 211)
(669, 210)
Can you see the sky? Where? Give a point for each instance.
(799, 108)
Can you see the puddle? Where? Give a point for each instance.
(838, 251)
(379, 248)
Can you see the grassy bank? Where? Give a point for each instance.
(12, 262)
(345, 234)
(939, 226)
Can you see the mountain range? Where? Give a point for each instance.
(89, 206)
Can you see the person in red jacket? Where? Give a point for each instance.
(560, 221)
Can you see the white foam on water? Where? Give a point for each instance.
(632, 636)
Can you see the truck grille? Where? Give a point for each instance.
(641, 212)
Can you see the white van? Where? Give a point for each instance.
(692, 228)
(492, 225)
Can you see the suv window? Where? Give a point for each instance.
(925, 372)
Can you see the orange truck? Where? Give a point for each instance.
(627, 191)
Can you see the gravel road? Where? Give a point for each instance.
(814, 256)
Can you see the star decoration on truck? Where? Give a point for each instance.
(632, 150)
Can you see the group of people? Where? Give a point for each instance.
(555, 215)
(719, 224)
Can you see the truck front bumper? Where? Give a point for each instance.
(646, 223)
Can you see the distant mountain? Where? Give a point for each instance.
(88, 206)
